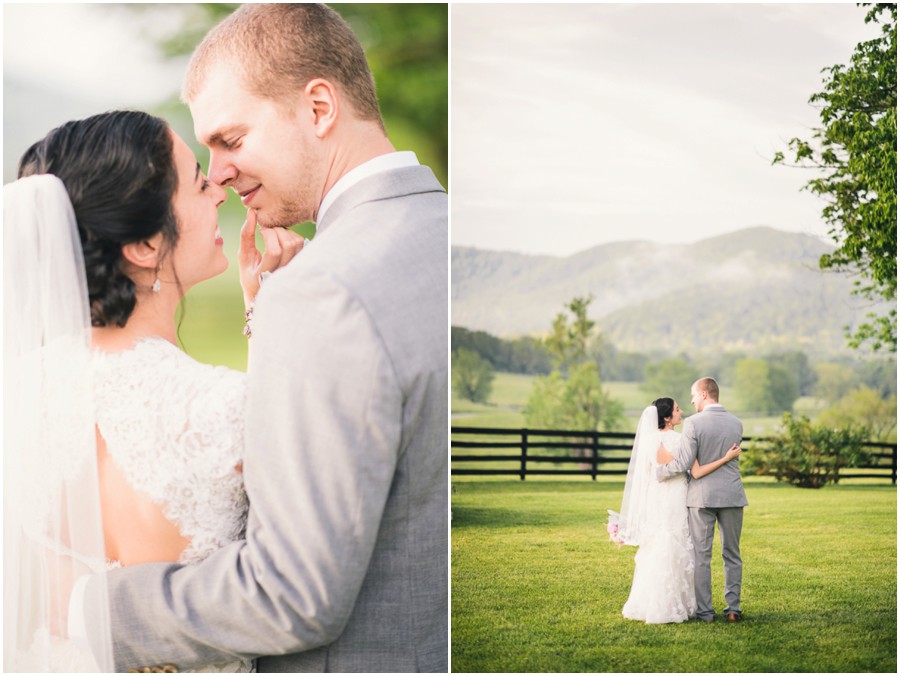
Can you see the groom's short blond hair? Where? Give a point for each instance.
(710, 386)
(279, 48)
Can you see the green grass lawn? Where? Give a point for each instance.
(538, 587)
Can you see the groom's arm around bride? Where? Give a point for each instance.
(344, 566)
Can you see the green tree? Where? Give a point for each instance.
(798, 364)
(472, 376)
(834, 381)
(765, 388)
(568, 341)
(880, 375)
(856, 148)
(866, 408)
(518, 355)
(669, 378)
(572, 396)
(726, 365)
(573, 402)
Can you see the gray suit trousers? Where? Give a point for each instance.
(702, 522)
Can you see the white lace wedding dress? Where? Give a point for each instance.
(662, 589)
(174, 428)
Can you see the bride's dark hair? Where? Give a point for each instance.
(665, 407)
(119, 171)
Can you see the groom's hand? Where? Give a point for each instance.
(281, 245)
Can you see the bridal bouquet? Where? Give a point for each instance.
(612, 526)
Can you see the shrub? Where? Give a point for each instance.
(808, 455)
(472, 376)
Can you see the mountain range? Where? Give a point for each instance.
(756, 289)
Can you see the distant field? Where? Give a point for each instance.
(511, 390)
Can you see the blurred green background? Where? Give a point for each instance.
(406, 46)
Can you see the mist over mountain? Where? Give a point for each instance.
(755, 289)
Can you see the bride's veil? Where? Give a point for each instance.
(633, 518)
(52, 527)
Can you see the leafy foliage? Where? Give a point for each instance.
(808, 455)
(568, 341)
(857, 150)
(834, 381)
(797, 363)
(618, 365)
(572, 396)
(573, 402)
(880, 375)
(765, 387)
(517, 355)
(669, 378)
(471, 376)
(865, 407)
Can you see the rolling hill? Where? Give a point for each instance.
(754, 289)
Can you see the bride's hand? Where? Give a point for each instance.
(733, 452)
(281, 245)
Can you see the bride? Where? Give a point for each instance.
(654, 518)
(118, 448)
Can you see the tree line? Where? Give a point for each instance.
(574, 358)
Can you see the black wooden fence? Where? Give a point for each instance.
(594, 453)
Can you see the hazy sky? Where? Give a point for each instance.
(575, 125)
(76, 60)
(100, 52)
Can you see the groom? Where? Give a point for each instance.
(718, 497)
(344, 566)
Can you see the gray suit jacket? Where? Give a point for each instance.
(706, 437)
(344, 567)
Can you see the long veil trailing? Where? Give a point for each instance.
(52, 526)
(633, 518)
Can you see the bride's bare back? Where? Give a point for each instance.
(169, 446)
(135, 529)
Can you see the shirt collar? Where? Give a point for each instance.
(378, 164)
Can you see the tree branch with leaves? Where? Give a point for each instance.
(857, 149)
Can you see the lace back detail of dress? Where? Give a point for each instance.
(174, 427)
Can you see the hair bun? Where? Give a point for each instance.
(112, 293)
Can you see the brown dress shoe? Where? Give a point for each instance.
(734, 617)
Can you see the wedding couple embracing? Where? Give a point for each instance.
(161, 514)
(678, 487)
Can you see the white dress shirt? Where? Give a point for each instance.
(394, 160)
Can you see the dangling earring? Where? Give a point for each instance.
(157, 285)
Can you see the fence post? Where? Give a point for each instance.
(595, 453)
(894, 466)
(523, 469)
